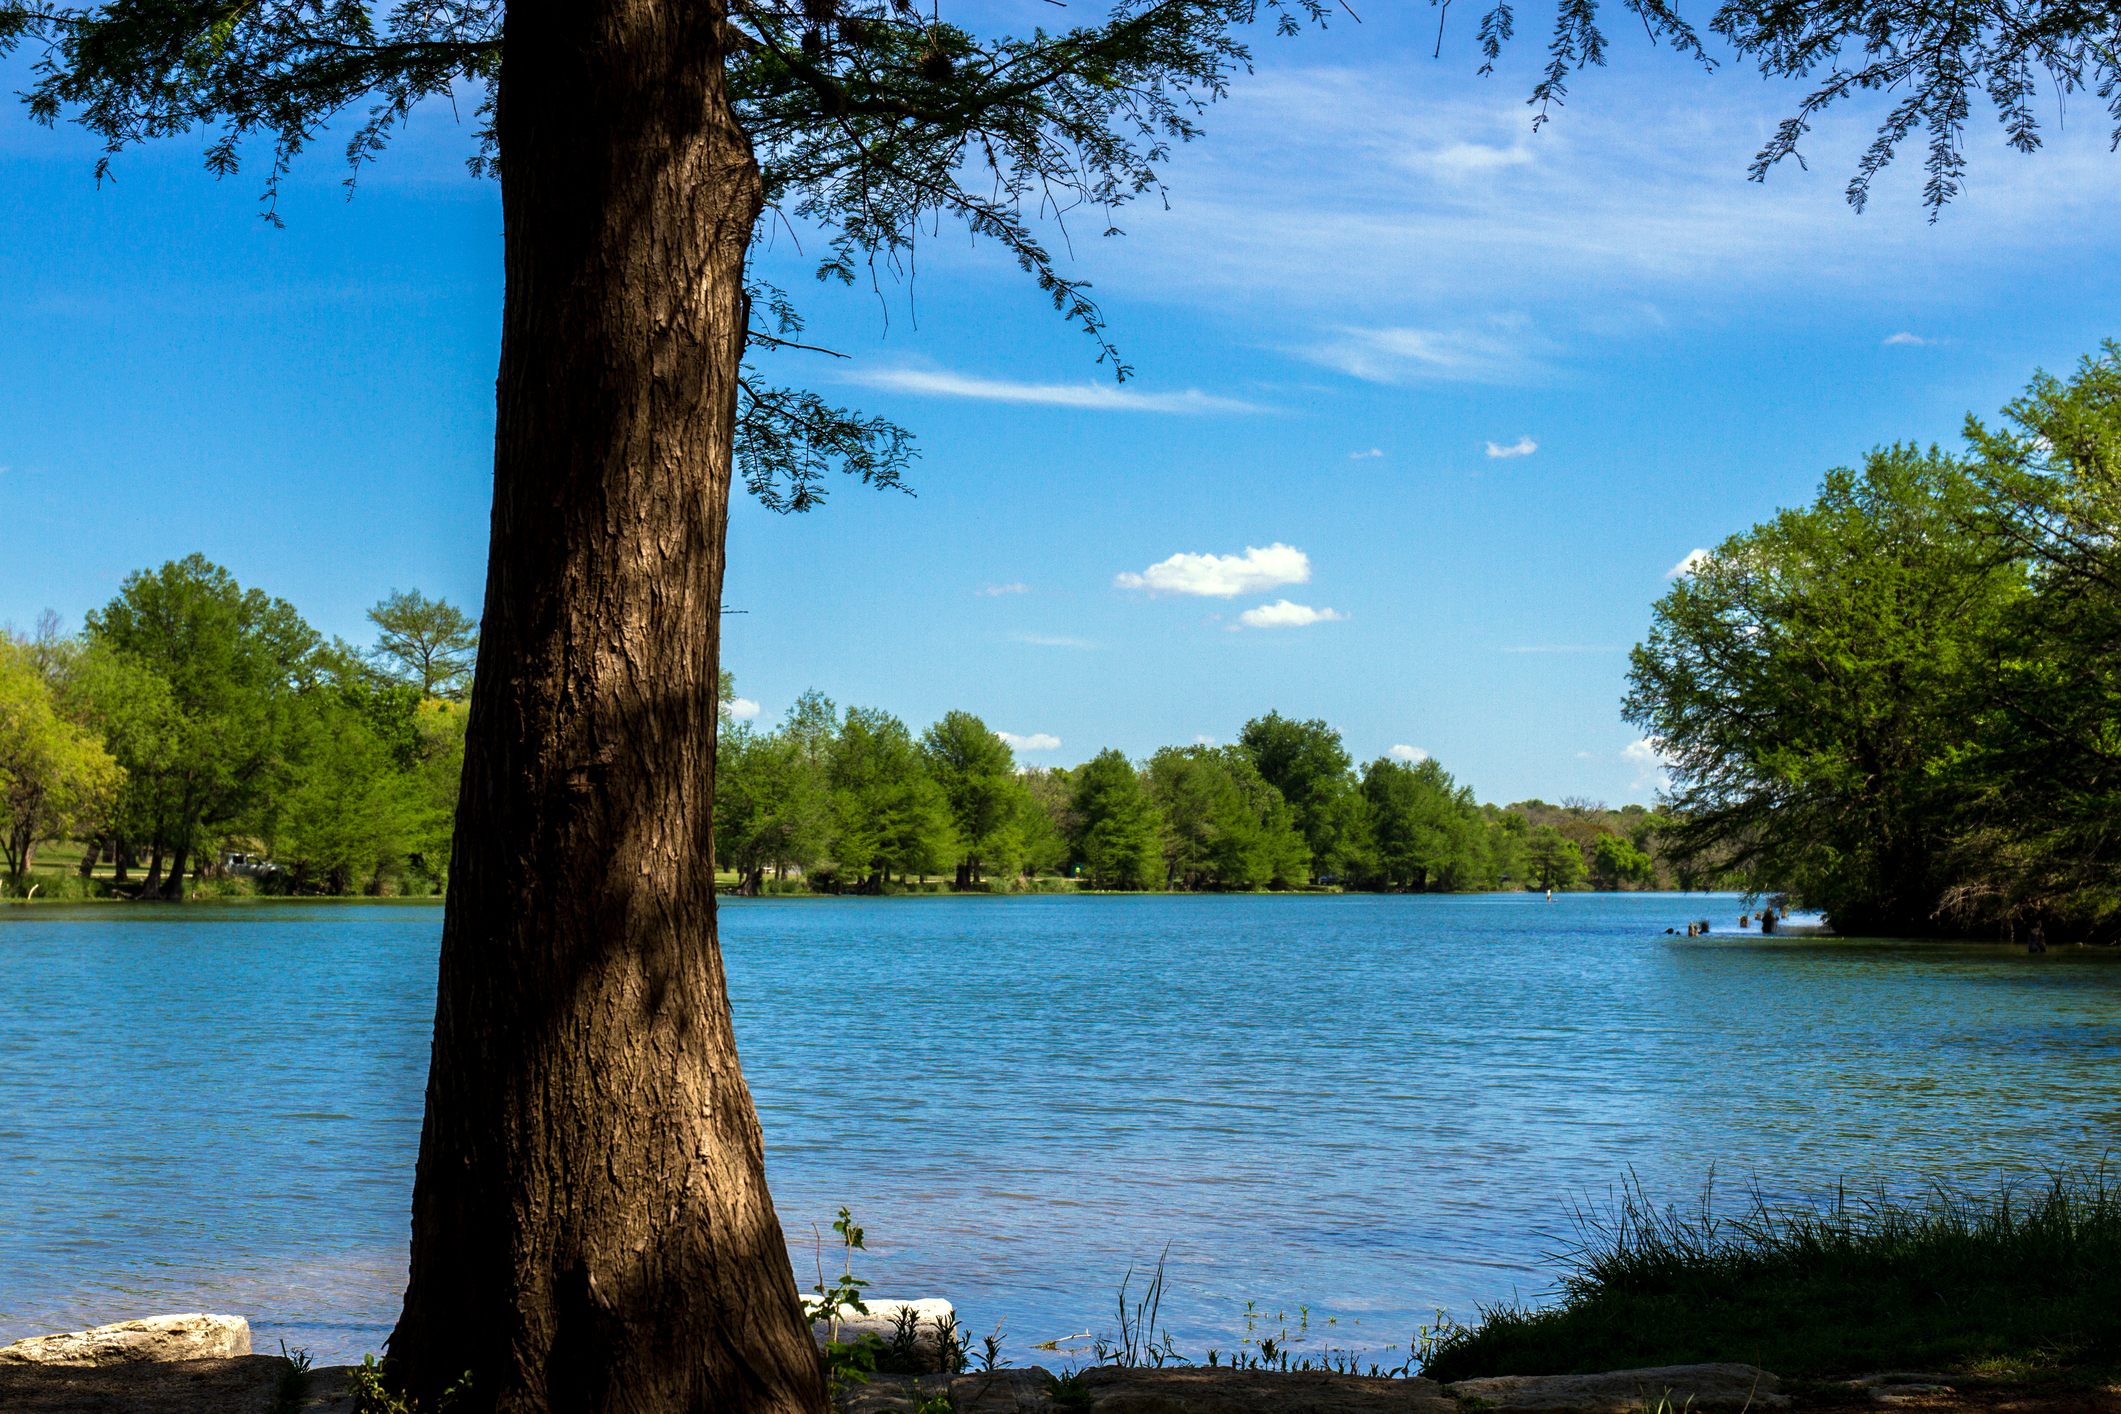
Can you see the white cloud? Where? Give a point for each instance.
(1096, 397)
(1223, 576)
(1522, 447)
(1904, 337)
(1286, 615)
(1407, 753)
(1037, 741)
(1352, 456)
(742, 709)
(1204, 741)
(1401, 355)
(1694, 560)
(989, 591)
(1050, 641)
(1648, 761)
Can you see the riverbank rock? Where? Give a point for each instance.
(244, 1384)
(193, 1336)
(1194, 1389)
(930, 1316)
(1002, 1392)
(1111, 1389)
(1680, 1387)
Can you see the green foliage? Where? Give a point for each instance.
(237, 665)
(1820, 685)
(2023, 1277)
(427, 644)
(1551, 858)
(1224, 826)
(372, 1393)
(988, 806)
(1307, 764)
(55, 773)
(889, 815)
(1120, 831)
(1426, 832)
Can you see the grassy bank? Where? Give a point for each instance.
(2011, 1279)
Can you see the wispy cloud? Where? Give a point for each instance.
(1204, 741)
(1399, 355)
(1564, 648)
(1286, 615)
(1522, 447)
(1407, 753)
(1095, 397)
(1037, 741)
(1915, 340)
(1694, 560)
(1051, 641)
(989, 591)
(1358, 456)
(1222, 576)
(742, 709)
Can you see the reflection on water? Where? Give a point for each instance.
(1372, 1106)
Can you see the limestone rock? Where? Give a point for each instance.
(1001, 1392)
(930, 1315)
(1195, 1389)
(1680, 1387)
(195, 1336)
(1179, 1390)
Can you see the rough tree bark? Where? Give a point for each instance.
(591, 1227)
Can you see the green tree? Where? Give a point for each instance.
(54, 773)
(1307, 764)
(429, 643)
(772, 807)
(889, 815)
(1814, 684)
(2041, 781)
(1428, 832)
(1224, 826)
(1616, 863)
(235, 661)
(1118, 831)
(1552, 859)
(977, 772)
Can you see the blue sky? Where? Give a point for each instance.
(1371, 279)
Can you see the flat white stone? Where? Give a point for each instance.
(192, 1336)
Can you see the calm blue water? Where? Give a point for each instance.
(1371, 1106)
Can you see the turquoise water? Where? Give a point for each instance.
(1369, 1106)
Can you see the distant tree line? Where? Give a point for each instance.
(193, 718)
(853, 801)
(1900, 704)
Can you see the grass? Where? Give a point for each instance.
(2014, 1279)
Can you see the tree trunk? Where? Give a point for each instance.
(121, 860)
(173, 886)
(153, 887)
(591, 1227)
(89, 856)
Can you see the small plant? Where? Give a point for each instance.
(1068, 1392)
(1139, 1341)
(951, 1356)
(936, 1404)
(294, 1380)
(372, 1393)
(899, 1354)
(991, 1358)
(847, 1362)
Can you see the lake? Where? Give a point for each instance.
(1365, 1106)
